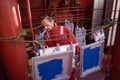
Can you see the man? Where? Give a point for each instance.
(56, 34)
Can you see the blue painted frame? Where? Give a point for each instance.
(91, 58)
(52, 67)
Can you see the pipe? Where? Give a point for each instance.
(110, 48)
(13, 54)
(109, 64)
(115, 69)
(30, 18)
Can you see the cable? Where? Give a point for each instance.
(24, 33)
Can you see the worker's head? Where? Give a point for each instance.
(48, 22)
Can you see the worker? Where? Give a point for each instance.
(57, 34)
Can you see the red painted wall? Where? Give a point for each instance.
(85, 2)
(60, 8)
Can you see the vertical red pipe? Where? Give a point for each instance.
(30, 18)
(115, 70)
(13, 54)
(111, 38)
